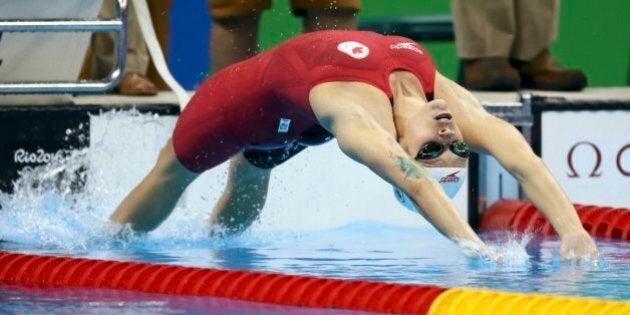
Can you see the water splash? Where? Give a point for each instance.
(48, 207)
(66, 203)
(513, 249)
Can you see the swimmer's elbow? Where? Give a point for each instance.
(354, 136)
(527, 167)
(351, 147)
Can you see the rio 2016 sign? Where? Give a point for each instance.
(597, 172)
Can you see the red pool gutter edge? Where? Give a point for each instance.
(253, 286)
(522, 216)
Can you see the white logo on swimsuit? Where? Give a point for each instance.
(354, 49)
(283, 126)
(410, 46)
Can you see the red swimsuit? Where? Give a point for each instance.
(262, 102)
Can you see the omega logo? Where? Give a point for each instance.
(596, 172)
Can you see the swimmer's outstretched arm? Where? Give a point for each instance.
(515, 154)
(490, 134)
(361, 138)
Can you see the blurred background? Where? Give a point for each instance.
(592, 35)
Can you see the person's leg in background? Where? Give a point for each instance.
(134, 81)
(537, 24)
(159, 10)
(236, 24)
(327, 14)
(234, 30)
(485, 32)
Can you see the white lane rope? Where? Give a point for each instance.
(148, 32)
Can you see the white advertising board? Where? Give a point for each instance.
(588, 152)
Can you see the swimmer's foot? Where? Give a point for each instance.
(135, 84)
(490, 74)
(544, 73)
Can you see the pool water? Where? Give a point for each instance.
(21, 299)
(47, 214)
(374, 251)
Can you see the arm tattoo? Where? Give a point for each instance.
(409, 168)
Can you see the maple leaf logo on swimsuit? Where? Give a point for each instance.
(354, 49)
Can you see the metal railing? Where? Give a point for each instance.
(518, 113)
(117, 25)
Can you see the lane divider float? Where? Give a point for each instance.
(237, 284)
(306, 291)
(522, 216)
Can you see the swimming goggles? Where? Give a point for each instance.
(433, 149)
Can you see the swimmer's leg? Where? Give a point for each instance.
(244, 196)
(153, 200)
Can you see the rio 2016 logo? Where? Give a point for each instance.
(596, 171)
(22, 156)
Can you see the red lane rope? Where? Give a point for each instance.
(522, 216)
(237, 284)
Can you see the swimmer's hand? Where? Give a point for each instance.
(577, 246)
(478, 250)
(121, 233)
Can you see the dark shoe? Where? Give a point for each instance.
(490, 74)
(136, 84)
(544, 73)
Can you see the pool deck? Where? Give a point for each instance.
(168, 98)
(593, 93)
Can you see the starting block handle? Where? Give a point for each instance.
(117, 25)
